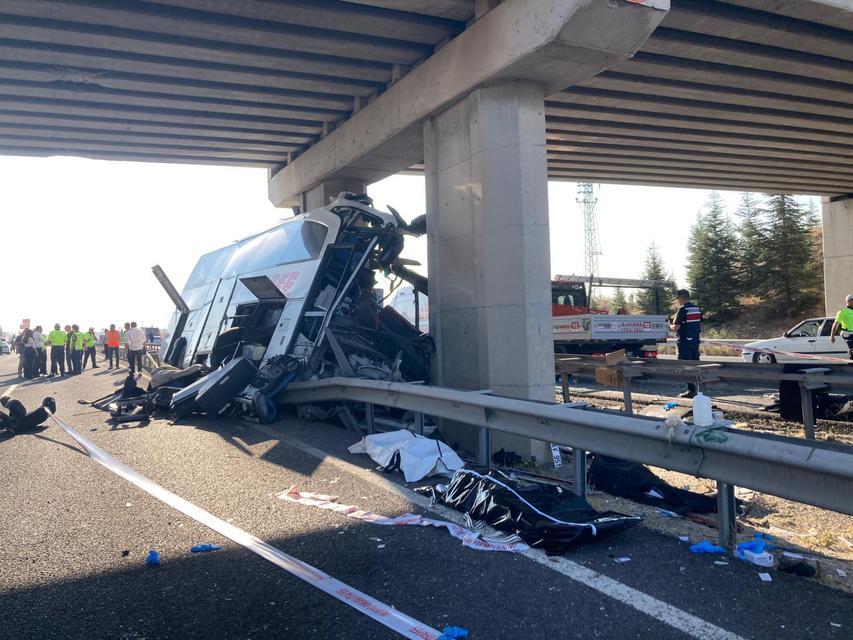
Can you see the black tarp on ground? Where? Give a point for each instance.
(545, 515)
(634, 481)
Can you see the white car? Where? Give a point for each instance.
(4, 348)
(810, 337)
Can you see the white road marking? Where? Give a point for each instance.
(653, 607)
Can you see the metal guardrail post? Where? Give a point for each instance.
(564, 380)
(368, 417)
(579, 472)
(419, 423)
(485, 446)
(807, 401)
(726, 515)
(626, 395)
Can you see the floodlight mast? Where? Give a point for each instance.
(592, 244)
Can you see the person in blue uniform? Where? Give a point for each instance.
(688, 326)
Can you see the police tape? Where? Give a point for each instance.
(399, 622)
(470, 539)
(790, 354)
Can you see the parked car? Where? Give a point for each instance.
(4, 348)
(809, 337)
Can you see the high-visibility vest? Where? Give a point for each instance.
(56, 338)
(90, 339)
(113, 338)
(79, 340)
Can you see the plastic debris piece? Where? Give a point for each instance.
(622, 559)
(799, 567)
(834, 624)
(721, 563)
(684, 538)
(841, 573)
(765, 577)
(706, 547)
(666, 513)
(754, 551)
(702, 412)
(125, 553)
(453, 633)
(673, 422)
(669, 406)
(153, 558)
(204, 548)
(380, 546)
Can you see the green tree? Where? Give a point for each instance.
(654, 301)
(712, 262)
(751, 264)
(793, 280)
(619, 301)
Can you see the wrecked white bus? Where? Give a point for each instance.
(305, 290)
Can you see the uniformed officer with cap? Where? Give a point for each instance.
(844, 324)
(688, 326)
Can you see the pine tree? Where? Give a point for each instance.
(816, 232)
(712, 262)
(653, 301)
(619, 301)
(793, 278)
(752, 231)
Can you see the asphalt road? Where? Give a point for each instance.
(73, 537)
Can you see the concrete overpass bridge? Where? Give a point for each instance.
(490, 98)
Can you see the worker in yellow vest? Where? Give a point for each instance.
(90, 340)
(78, 344)
(56, 339)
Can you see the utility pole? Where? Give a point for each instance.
(592, 245)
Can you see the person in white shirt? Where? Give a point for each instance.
(135, 347)
(41, 354)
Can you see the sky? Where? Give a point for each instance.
(79, 236)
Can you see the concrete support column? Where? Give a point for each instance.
(489, 263)
(837, 251)
(326, 191)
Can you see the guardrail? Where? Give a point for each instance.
(833, 378)
(816, 473)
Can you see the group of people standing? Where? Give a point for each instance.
(71, 349)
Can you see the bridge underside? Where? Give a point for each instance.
(739, 94)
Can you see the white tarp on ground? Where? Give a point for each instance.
(416, 456)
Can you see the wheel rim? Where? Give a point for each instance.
(763, 358)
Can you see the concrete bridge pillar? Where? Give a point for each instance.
(837, 251)
(328, 190)
(489, 263)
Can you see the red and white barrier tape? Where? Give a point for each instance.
(470, 539)
(396, 621)
(792, 354)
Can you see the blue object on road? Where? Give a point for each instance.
(204, 548)
(756, 546)
(453, 633)
(669, 406)
(153, 558)
(706, 547)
